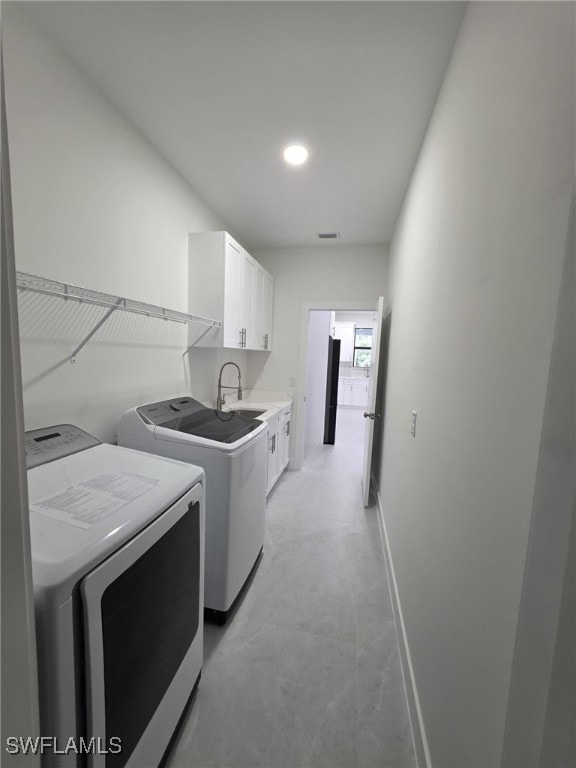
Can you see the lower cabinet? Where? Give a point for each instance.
(360, 393)
(353, 392)
(278, 445)
(341, 390)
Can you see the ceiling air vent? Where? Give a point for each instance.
(328, 235)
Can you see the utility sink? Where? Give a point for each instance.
(250, 412)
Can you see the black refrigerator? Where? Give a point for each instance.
(332, 372)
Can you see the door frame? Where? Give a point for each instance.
(20, 703)
(299, 420)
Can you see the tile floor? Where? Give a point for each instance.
(307, 672)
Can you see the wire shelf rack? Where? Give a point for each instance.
(69, 292)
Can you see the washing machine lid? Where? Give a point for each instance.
(85, 505)
(190, 417)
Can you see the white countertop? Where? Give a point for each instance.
(261, 401)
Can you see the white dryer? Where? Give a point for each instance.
(117, 563)
(232, 450)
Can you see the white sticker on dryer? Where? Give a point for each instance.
(91, 501)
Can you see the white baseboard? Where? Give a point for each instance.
(414, 710)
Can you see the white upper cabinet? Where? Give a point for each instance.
(223, 277)
(345, 332)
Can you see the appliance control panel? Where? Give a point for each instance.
(51, 443)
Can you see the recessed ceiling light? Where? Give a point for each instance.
(296, 154)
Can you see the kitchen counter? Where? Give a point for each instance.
(272, 403)
(270, 409)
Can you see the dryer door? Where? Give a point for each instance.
(142, 616)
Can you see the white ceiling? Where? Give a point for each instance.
(219, 88)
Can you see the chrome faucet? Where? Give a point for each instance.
(220, 399)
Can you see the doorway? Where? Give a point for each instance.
(317, 321)
(347, 376)
(300, 415)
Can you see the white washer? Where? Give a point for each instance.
(117, 562)
(232, 450)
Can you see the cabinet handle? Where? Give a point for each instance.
(241, 337)
(287, 428)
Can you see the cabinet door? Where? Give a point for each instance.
(341, 386)
(259, 307)
(346, 392)
(267, 311)
(247, 301)
(280, 459)
(233, 264)
(263, 290)
(272, 452)
(271, 462)
(273, 467)
(286, 440)
(360, 393)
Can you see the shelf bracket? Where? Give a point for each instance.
(96, 328)
(204, 332)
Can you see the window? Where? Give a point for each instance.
(362, 347)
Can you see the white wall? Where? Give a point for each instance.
(316, 370)
(334, 274)
(477, 258)
(95, 205)
(321, 277)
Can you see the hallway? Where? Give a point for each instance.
(307, 672)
